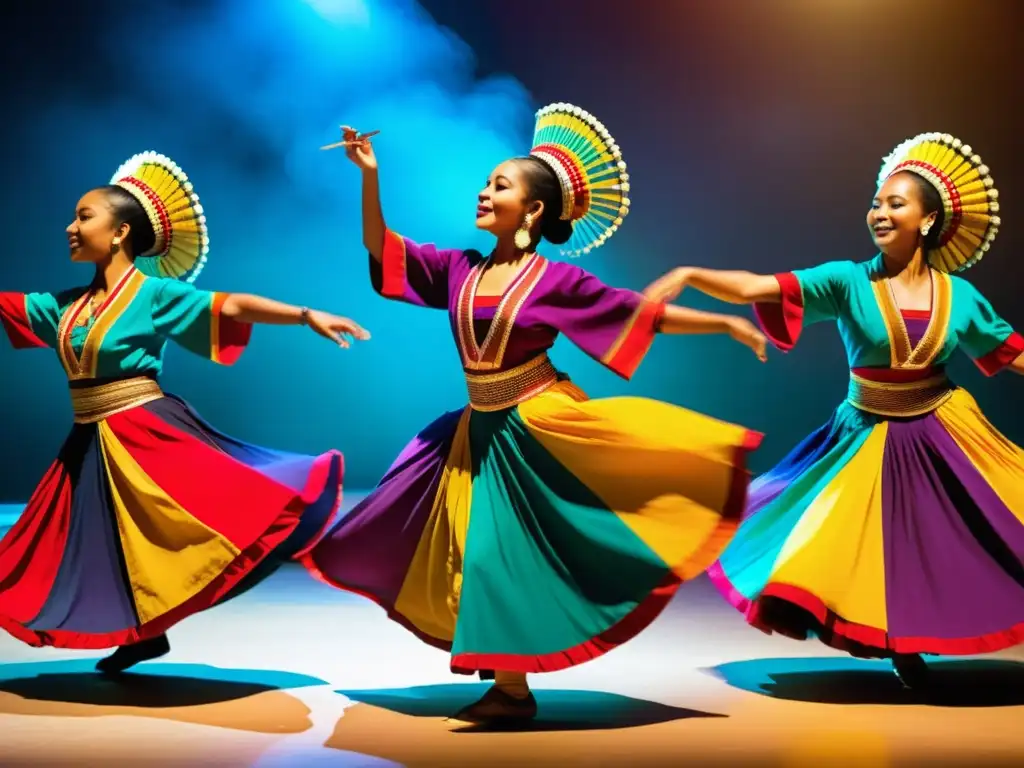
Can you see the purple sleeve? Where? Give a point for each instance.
(413, 273)
(614, 326)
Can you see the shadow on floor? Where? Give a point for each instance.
(257, 701)
(150, 685)
(827, 680)
(557, 710)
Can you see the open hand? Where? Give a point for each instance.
(746, 333)
(337, 329)
(359, 151)
(667, 287)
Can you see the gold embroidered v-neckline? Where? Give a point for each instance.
(488, 354)
(903, 354)
(76, 362)
(499, 310)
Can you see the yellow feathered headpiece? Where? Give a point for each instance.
(590, 171)
(165, 193)
(969, 197)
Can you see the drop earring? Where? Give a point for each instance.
(523, 237)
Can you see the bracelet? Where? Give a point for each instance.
(304, 316)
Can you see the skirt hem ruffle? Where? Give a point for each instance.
(809, 615)
(646, 611)
(223, 583)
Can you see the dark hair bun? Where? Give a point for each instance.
(544, 186)
(554, 229)
(128, 210)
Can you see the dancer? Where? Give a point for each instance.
(149, 514)
(897, 528)
(536, 529)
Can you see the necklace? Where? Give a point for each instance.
(91, 307)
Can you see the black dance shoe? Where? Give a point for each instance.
(496, 706)
(127, 656)
(911, 670)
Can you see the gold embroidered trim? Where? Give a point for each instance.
(489, 355)
(899, 399)
(92, 404)
(85, 367)
(498, 391)
(901, 355)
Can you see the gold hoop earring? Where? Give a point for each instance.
(523, 238)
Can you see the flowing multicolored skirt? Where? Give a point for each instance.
(541, 536)
(884, 536)
(148, 516)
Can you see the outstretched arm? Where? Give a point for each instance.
(682, 320)
(784, 303)
(257, 310)
(617, 326)
(988, 339)
(734, 287)
(218, 326)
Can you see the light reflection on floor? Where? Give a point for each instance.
(297, 674)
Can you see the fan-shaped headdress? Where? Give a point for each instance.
(165, 193)
(590, 170)
(969, 197)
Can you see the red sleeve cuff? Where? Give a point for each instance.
(1001, 356)
(782, 322)
(393, 266)
(229, 338)
(636, 342)
(14, 317)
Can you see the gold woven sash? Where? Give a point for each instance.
(92, 404)
(899, 399)
(497, 391)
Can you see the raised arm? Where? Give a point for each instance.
(400, 269)
(373, 217)
(361, 153)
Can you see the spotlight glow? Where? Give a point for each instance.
(342, 11)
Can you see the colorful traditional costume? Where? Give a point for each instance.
(898, 526)
(148, 514)
(536, 529)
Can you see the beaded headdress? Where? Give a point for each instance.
(590, 171)
(969, 197)
(165, 193)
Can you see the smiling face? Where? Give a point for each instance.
(503, 203)
(898, 212)
(92, 232)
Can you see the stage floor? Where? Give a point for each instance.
(296, 674)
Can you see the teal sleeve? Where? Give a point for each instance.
(191, 318)
(987, 338)
(824, 290)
